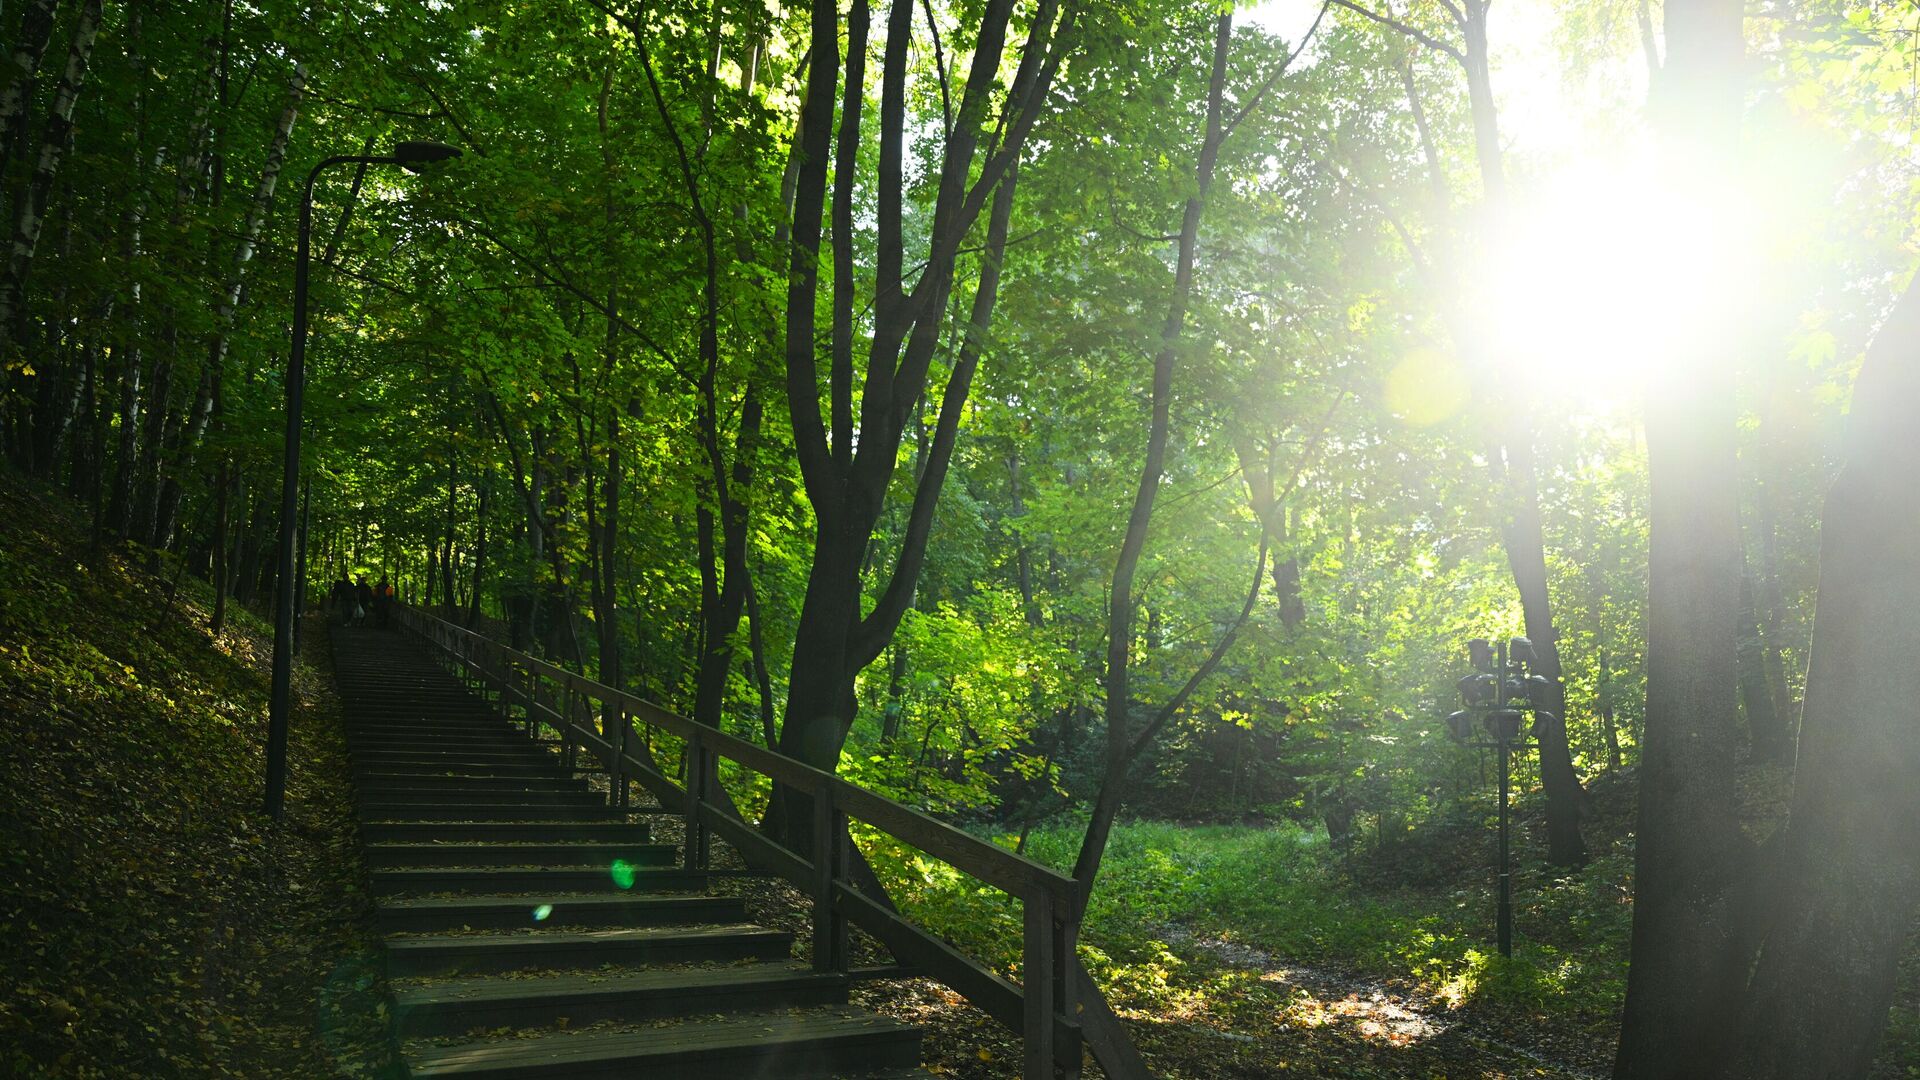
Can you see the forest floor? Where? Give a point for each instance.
(1254, 950)
(153, 921)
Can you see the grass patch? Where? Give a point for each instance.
(1177, 907)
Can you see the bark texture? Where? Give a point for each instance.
(1817, 998)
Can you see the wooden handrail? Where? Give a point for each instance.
(1057, 999)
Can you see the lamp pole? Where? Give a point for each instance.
(1503, 914)
(408, 155)
(1498, 692)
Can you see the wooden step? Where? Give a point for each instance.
(398, 702)
(503, 832)
(391, 796)
(515, 879)
(408, 704)
(554, 911)
(370, 741)
(542, 1000)
(388, 855)
(806, 1044)
(524, 756)
(428, 729)
(376, 810)
(486, 954)
(489, 770)
(436, 781)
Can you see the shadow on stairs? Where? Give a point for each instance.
(534, 931)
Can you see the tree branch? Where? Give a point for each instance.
(874, 631)
(1219, 653)
(1267, 84)
(1416, 34)
(846, 173)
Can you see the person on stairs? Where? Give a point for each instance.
(383, 603)
(340, 600)
(362, 601)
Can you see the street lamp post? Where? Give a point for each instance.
(408, 155)
(1500, 691)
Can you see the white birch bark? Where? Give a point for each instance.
(53, 147)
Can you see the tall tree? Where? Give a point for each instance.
(847, 470)
(1510, 454)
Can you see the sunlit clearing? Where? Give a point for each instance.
(623, 873)
(1609, 276)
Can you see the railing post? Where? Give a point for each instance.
(1066, 941)
(1037, 982)
(497, 675)
(568, 701)
(536, 703)
(617, 738)
(696, 829)
(830, 952)
(524, 692)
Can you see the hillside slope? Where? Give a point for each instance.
(153, 922)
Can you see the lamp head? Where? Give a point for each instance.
(1480, 652)
(1504, 724)
(413, 155)
(1478, 689)
(1521, 651)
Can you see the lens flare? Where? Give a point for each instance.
(1612, 276)
(540, 913)
(623, 873)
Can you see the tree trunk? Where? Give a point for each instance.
(1121, 601)
(1774, 613)
(763, 679)
(1512, 458)
(479, 547)
(127, 342)
(606, 619)
(36, 29)
(219, 575)
(83, 481)
(1682, 991)
(847, 474)
(211, 376)
(53, 147)
(1849, 878)
(1527, 559)
(446, 557)
(1765, 727)
(126, 457)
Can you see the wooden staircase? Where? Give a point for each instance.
(534, 931)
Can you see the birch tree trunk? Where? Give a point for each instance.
(211, 375)
(36, 29)
(53, 147)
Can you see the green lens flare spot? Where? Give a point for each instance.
(540, 913)
(623, 873)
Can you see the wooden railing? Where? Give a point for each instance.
(1056, 1008)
